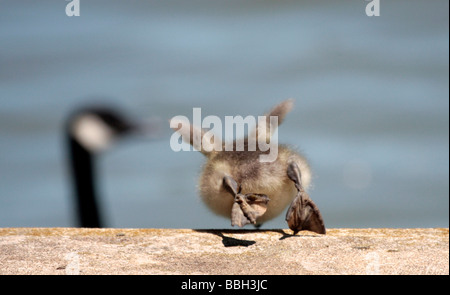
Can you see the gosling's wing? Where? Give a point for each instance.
(200, 139)
(265, 131)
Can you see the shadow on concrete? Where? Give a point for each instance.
(233, 242)
(285, 235)
(228, 241)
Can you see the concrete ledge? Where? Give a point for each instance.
(253, 252)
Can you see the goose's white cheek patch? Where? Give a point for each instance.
(92, 133)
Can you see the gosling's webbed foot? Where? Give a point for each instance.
(302, 214)
(246, 208)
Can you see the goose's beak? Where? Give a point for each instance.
(150, 128)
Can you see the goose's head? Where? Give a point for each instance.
(97, 128)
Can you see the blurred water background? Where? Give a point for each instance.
(372, 103)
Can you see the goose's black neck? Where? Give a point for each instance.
(83, 175)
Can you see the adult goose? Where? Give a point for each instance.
(89, 131)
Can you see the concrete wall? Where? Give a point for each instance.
(186, 251)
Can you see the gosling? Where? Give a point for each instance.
(237, 184)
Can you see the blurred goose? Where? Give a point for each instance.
(91, 130)
(237, 184)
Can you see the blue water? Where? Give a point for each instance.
(371, 115)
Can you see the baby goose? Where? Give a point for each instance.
(237, 183)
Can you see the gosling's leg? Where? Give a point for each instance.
(231, 185)
(237, 214)
(246, 208)
(302, 214)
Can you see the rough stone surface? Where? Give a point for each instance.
(253, 252)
